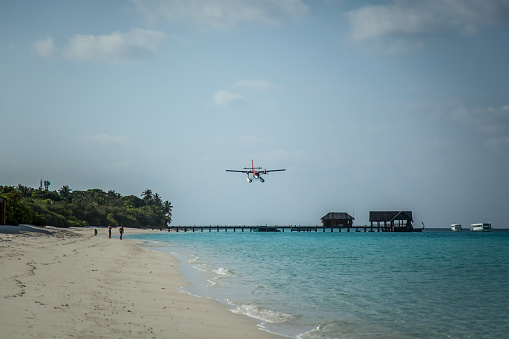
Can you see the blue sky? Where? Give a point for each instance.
(369, 105)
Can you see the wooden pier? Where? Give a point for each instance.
(275, 228)
(380, 221)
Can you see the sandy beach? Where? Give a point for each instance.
(60, 283)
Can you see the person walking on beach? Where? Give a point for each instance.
(121, 230)
(109, 231)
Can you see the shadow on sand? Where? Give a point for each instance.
(7, 229)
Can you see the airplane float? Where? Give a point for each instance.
(255, 172)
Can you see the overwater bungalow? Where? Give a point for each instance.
(392, 221)
(337, 219)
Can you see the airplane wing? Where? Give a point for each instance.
(261, 171)
(278, 170)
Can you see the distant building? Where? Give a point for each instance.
(337, 219)
(393, 221)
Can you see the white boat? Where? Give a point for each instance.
(481, 227)
(456, 228)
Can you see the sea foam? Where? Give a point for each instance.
(256, 312)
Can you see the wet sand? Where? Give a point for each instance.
(59, 283)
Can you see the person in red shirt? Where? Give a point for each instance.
(121, 230)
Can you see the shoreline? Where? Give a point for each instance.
(68, 282)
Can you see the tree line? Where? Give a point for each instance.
(93, 207)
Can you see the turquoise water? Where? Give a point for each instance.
(434, 284)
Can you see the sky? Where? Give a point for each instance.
(368, 105)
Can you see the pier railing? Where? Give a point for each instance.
(275, 228)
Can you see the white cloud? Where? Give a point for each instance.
(256, 85)
(405, 18)
(45, 47)
(490, 123)
(221, 13)
(499, 145)
(370, 22)
(226, 98)
(103, 139)
(483, 118)
(115, 48)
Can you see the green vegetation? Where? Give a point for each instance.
(93, 207)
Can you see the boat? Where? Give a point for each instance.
(419, 229)
(481, 227)
(265, 229)
(456, 228)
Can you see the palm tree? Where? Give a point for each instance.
(167, 207)
(25, 190)
(65, 192)
(113, 198)
(147, 196)
(157, 199)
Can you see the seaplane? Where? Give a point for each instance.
(254, 173)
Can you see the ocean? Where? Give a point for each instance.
(434, 284)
